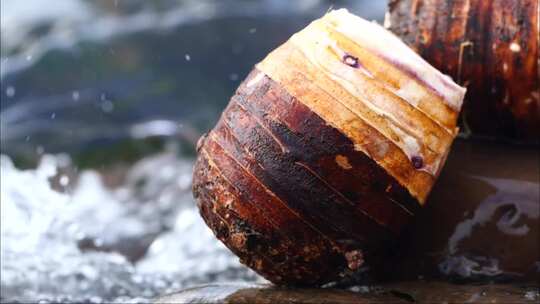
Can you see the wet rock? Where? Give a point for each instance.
(406, 292)
(262, 294)
(443, 292)
(482, 219)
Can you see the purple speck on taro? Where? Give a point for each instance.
(417, 162)
(351, 61)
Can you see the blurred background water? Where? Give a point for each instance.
(98, 71)
(101, 104)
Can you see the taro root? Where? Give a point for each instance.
(491, 47)
(325, 151)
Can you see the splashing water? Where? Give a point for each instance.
(77, 245)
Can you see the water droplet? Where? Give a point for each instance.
(188, 57)
(233, 77)
(53, 115)
(10, 91)
(107, 106)
(252, 30)
(75, 95)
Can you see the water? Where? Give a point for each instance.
(78, 244)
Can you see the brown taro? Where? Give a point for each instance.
(326, 151)
(491, 47)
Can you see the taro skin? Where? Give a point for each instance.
(326, 151)
(491, 47)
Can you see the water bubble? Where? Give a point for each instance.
(64, 180)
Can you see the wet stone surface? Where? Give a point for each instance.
(404, 292)
(482, 219)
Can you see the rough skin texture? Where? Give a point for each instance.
(326, 151)
(387, 100)
(491, 47)
(289, 194)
